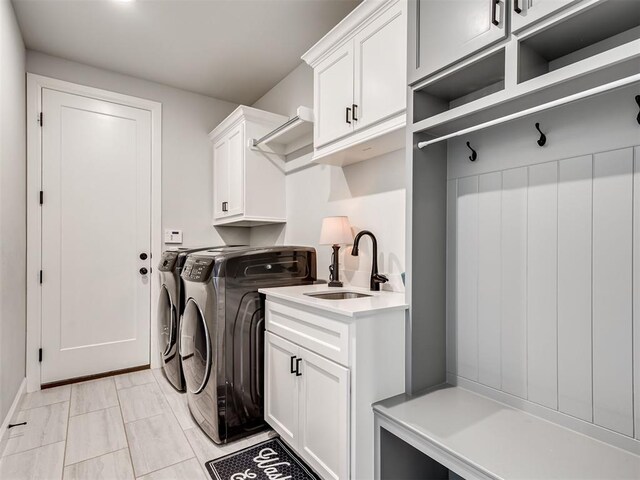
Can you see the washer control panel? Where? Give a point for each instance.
(168, 261)
(197, 269)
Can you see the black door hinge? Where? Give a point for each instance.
(41, 197)
(40, 355)
(40, 277)
(40, 119)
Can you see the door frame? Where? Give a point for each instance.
(35, 84)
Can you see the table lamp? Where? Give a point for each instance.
(335, 231)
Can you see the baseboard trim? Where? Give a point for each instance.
(4, 429)
(93, 377)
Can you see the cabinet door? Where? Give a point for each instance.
(281, 387)
(324, 415)
(220, 177)
(445, 31)
(236, 144)
(333, 96)
(527, 12)
(380, 89)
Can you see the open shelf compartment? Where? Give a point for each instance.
(467, 84)
(592, 31)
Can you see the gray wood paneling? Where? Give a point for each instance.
(612, 290)
(467, 277)
(546, 269)
(574, 287)
(489, 279)
(542, 285)
(514, 282)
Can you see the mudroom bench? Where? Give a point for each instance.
(452, 433)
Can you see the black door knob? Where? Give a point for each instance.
(143, 271)
(143, 256)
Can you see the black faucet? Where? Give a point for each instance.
(376, 278)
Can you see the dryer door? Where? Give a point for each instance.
(195, 348)
(166, 321)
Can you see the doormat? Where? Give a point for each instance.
(270, 460)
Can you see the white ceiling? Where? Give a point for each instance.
(235, 50)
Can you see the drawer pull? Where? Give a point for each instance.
(298, 372)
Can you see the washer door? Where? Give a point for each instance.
(195, 347)
(166, 321)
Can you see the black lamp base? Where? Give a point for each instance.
(334, 268)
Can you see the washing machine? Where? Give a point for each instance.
(222, 332)
(170, 308)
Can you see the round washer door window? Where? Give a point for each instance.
(195, 347)
(166, 320)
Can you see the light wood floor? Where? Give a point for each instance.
(118, 428)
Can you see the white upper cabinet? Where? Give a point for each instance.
(228, 173)
(447, 31)
(380, 71)
(527, 12)
(360, 84)
(220, 177)
(333, 96)
(248, 184)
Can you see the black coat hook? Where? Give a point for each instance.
(474, 155)
(543, 138)
(638, 102)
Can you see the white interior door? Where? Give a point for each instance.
(96, 178)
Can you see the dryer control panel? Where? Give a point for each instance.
(197, 269)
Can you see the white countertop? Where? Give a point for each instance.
(354, 307)
(504, 442)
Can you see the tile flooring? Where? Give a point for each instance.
(118, 428)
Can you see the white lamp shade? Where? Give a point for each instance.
(336, 231)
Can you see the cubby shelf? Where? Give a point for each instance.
(609, 66)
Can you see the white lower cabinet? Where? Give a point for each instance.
(313, 397)
(281, 387)
(308, 405)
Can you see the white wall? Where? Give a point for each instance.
(12, 208)
(371, 193)
(187, 169)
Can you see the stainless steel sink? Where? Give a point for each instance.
(337, 295)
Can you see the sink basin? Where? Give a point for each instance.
(337, 295)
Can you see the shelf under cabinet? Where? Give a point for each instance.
(293, 135)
